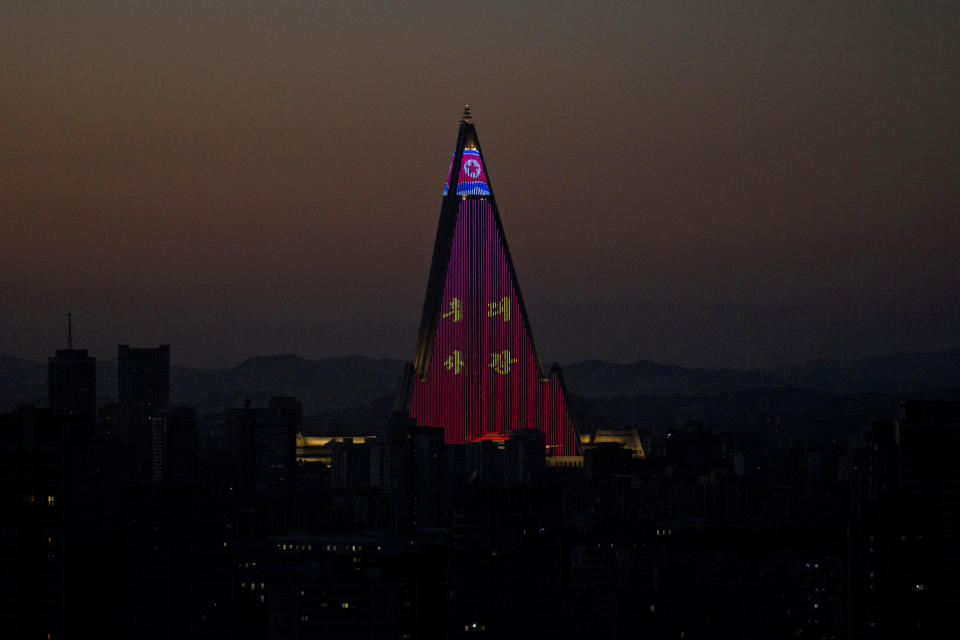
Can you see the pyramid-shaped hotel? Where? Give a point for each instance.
(476, 372)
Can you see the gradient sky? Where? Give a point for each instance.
(701, 183)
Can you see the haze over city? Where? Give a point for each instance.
(695, 183)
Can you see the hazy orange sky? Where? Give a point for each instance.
(703, 183)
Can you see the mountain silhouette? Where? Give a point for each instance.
(355, 381)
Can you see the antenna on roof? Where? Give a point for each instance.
(466, 113)
(69, 331)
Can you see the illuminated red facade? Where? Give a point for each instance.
(477, 373)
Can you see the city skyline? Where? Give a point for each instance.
(696, 185)
(725, 404)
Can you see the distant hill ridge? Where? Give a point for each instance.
(353, 381)
(889, 374)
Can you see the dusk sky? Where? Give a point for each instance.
(697, 183)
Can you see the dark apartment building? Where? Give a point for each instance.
(31, 510)
(175, 446)
(263, 445)
(144, 380)
(72, 382)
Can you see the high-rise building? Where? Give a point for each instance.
(930, 484)
(72, 381)
(175, 444)
(523, 456)
(426, 480)
(32, 449)
(907, 557)
(264, 460)
(144, 380)
(476, 372)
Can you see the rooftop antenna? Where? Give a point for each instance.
(69, 331)
(466, 114)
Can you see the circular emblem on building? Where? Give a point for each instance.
(472, 168)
